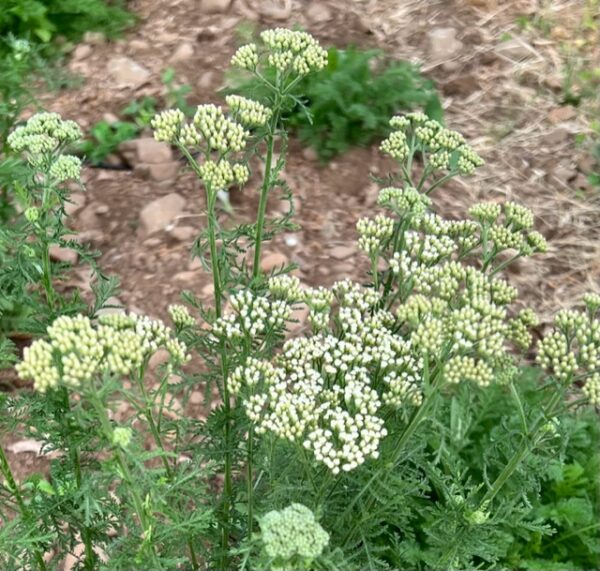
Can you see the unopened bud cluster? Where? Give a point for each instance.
(42, 138)
(289, 52)
(444, 149)
(78, 350)
(573, 347)
(292, 533)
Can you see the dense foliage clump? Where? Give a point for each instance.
(404, 428)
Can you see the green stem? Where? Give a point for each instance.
(125, 473)
(25, 514)
(262, 204)
(47, 276)
(218, 290)
(522, 452)
(416, 419)
(250, 478)
(86, 536)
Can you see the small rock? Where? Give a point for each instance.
(291, 240)
(273, 261)
(110, 118)
(206, 80)
(150, 151)
(443, 43)
(564, 174)
(183, 233)
(65, 255)
(163, 171)
(562, 114)
(276, 9)
(94, 38)
(318, 13)
(88, 220)
(515, 49)
(27, 445)
(127, 72)
(214, 6)
(81, 52)
(310, 154)
(342, 252)
(196, 397)
(184, 52)
(159, 358)
(159, 213)
(112, 306)
(189, 277)
(195, 264)
(139, 45)
(102, 209)
(556, 136)
(75, 204)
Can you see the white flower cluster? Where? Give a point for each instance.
(404, 201)
(285, 50)
(290, 50)
(514, 232)
(44, 134)
(374, 233)
(292, 533)
(445, 149)
(66, 167)
(180, 315)
(461, 368)
(77, 350)
(221, 134)
(167, 125)
(248, 112)
(325, 392)
(246, 57)
(573, 347)
(252, 316)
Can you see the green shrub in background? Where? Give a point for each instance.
(349, 103)
(44, 20)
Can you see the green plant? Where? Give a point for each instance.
(105, 139)
(28, 277)
(403, 431)
(44, 20)
(350, 101)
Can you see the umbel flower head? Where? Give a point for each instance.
(296, 53)
(445, 149)
(78, 350)
(44, 135)
(572, 348)
(292, 537)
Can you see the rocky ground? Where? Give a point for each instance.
(502, 86)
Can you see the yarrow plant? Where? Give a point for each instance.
(361, 441)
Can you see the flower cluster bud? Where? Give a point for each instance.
(77, 350)
(248, 112)
(292, 533)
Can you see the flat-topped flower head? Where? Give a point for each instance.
(292, 533)
(167, 125)
(43, 133)
(66, 167)
(247, 111)
(246, 57)
(220, 133)
(77, 350)
(291, 50)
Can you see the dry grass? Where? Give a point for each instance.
(509, 105)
